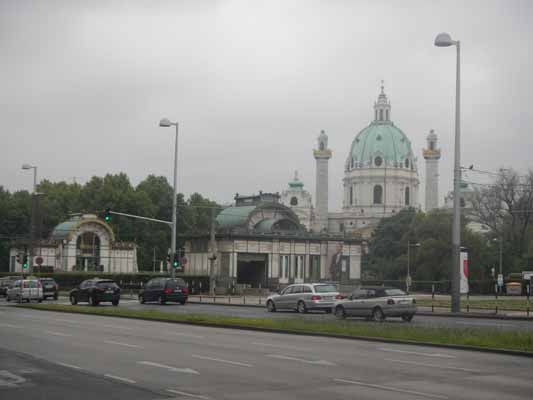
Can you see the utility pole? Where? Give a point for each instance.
(213, 256)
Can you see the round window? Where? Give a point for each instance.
(378, 161)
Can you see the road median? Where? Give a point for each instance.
(493, 340)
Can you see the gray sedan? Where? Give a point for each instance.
(376, 303)
(303, 297)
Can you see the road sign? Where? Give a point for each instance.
(500, 280)
(39, 261)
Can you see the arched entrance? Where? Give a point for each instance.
(88, 252)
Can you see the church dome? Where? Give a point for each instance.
(381, 144)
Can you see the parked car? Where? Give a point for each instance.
(163, 290)
(25, 289)
(376, 303)
(303, 297)
(50, 288)
(5, 283)
(95, 291)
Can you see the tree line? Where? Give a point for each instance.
(151, 198)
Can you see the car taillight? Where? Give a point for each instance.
(316, 297)
(339, 297)
(98, 289)
(167, 290)
(185, 290)
(390, 301)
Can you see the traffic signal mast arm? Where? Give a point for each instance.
(169, 223)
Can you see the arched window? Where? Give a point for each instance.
(351, 195)
(321, 145)
(407, 199)
(378, 161)
(294, 201)
(406, 163)
(381, 115)
(87, 251)
(378, 194)
(432, 145)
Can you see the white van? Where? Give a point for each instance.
(25, 289)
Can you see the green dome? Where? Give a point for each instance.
(381, 140)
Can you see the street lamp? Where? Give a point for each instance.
(408, 278)
(445, 40)
(28, 166)
(165, 123)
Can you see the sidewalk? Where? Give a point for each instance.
(256, 301)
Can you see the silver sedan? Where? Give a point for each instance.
(303, 297)
(376, 303)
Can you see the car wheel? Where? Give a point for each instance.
(161, 301)
(377, 315)
(301, 308)
(340, 312)
(271, 307)
(73, 300)
(40, 300)
(408, 317)
(182, 302)
(141, 299)
(115, 302)
(7, 298)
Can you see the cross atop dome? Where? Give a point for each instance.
(382, 107)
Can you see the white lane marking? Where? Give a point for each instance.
(222, 361)
(484, 323)
(70, 321)
(416, 353)
(392, 389)
(123, 344)
(68, 365)
(281, 346)
(195, 396)
(116, 326)
(170, 368)
(187, 335)
(57, 333)
(11, 326)
(119, 378)
(314, 362)
(433, 365)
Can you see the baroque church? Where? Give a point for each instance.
(380, 178)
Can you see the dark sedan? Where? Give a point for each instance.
(95, 291)
(165, 289)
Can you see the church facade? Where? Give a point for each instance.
(381, 177)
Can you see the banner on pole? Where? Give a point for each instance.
(464, 272)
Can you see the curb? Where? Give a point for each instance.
(528, 354)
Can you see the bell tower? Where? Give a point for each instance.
(322, 155)
(432, 157)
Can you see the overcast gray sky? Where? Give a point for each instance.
(83, 85)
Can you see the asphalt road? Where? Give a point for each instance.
(260, 312)
(191, 362)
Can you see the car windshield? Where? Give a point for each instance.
(107, 285)
(394, 292)
(325, 288)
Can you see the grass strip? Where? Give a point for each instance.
(483, 338)
(503, 305)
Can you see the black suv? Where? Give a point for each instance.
(165, 289)
(96, 291)
(50, 288)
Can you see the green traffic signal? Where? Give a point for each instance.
(25, 262)
(107, 215)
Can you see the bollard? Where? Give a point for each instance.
(468, 302)
(432, 297)
(214, 299)
(496, 293)
(244, 299)
(229, 299)
(259, 299)
(200, 297)
(528, 293)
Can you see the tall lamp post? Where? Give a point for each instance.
(33, 211)
(165, 123)
(408, 278)
(445, 40)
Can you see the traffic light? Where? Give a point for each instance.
(25, 261)
(107, 215)
(19, 258)
(176, 260)
(168, 258)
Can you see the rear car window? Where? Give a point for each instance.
(107, 285)
(173, 283)
(325, 288)
(394, 292)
